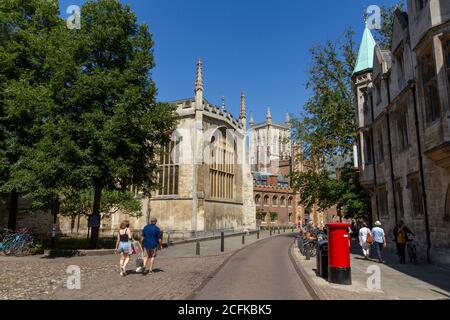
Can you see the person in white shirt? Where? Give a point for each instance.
(363, 233)
(379, 239)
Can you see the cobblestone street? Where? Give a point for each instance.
(38, 278)
(178, 272)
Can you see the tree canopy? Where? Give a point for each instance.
(77, 107)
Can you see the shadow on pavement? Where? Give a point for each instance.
(428, 273)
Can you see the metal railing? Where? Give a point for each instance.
(174, 235)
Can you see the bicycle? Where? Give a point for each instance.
(15, 243)
(411, 248)
(309, 245)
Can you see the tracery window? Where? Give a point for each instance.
(222, 168)
(169, 169)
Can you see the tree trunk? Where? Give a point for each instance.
(54, 211)
(13, 205)
(95, 230)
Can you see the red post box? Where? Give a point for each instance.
(339, 270)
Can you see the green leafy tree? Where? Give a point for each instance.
(25, 30)
(327, 128)
(120, 126)
(260, 215)
(273, 216)
(80, 203)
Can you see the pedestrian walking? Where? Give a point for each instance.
(401, 237)
(123, 246)
(151, 241)
(365, 240)
(245, 230)
(379, 239)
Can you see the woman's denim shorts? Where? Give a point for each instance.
(124, 247)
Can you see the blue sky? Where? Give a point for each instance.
(259, 47)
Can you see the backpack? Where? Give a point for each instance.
(401, 236)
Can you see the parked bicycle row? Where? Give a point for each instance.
(15, 243)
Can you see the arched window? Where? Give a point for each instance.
(266, 200)
(290, 202)
(274, 201)
(169, 169)
(257, 199)
(447, 206)
(282, 201)
(221, 175)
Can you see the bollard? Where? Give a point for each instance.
(197, 248)
(222, 242)
(278, 230)
(257, 235)
(243, 239)
(270, 229)
(284, 229)
(168, 239)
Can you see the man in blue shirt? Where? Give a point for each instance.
(151, 241)
(379, 239)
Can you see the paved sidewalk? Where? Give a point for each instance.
(179, 273)
(398, 282)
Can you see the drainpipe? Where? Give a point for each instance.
(412, 85)
(390, 147)
(374, 160)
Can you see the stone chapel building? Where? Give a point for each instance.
(205, 178)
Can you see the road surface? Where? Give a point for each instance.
(262, 271)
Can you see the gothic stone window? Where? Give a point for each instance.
(366, 103)
(221, 174)
(290, 202)
(402, 129)
(416, 196)
(380, 146)
(368, 149)
(400, 67)
(421, 4)
(430, 88)
(383, 201)
(378, 92)
(283, 201)
(169, 169)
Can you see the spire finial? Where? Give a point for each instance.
(288, 119)
(243, 114)
(223, 104)
(269, 116)
(251, 122)
(199, 79)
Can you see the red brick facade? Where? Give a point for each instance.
(276, 201)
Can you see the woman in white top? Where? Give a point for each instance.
(363, 233)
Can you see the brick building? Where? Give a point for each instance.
(273, 157)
